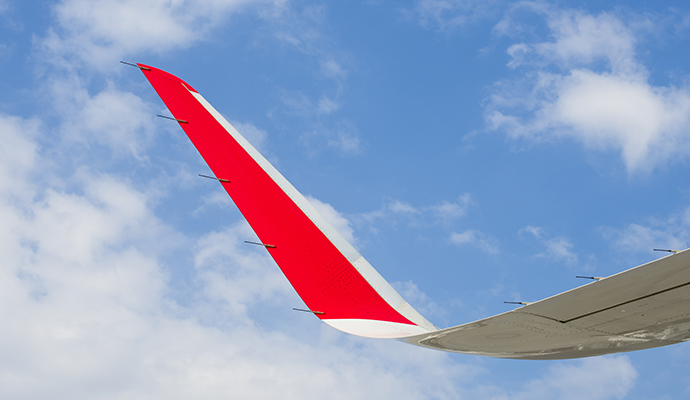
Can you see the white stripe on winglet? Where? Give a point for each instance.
(375, 329)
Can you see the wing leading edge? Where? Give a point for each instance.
(640, 308)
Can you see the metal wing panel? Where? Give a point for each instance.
(644, 307)
(644, 281)
(525, 336)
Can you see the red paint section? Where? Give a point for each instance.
(320, 274)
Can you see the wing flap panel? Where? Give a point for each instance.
(641, 282)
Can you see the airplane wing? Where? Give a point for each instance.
(640, 308)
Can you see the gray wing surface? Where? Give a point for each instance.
(643, 307)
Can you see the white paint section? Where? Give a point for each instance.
(382, 287)
(375, 329)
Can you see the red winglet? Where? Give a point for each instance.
(307, 249)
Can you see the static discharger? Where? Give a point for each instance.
(668, 251)
(215, 179)
(174, 119)
(270, 246)
(136, 66)
(523, 303)
(313, 312)
(596, 278)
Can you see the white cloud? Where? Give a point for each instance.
(600, 94)
(343, 136)
(340, 135)
(303, 30)
(443, 212)
(89, 310)
(97, 34)
(118, 120)
(335, 218)
(299, 28)
(671, 232)
(234, 275)
(401, 207)
(257, 137)
(447, 209)
(18, 153)
(100, 33)
(299, 104)
(579, 40)
(346, 138)
(557, 249)
(217, 198)
(327, 106)
(418, 299)
(482, 241)
(446, 15)
(593, 378)
(331, 68)
(560, 248)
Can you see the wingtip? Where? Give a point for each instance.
(150, 72)
(376, 329)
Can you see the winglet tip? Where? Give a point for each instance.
(148, 70)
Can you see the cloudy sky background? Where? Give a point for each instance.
(473, 151)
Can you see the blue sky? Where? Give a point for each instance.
(473, 151)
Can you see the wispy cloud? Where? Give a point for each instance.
(257, 137)
(588, 84)
(473, 237)
(442, 212)
(112, 118)
(671, 232)
(88, 38)
(298, 104)
(418, 299)
(342, 136)
(447, 15)
(18, 155)
(335, 218)
(606, 377)
(556, 249)
(304, 29)
(99, 33)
